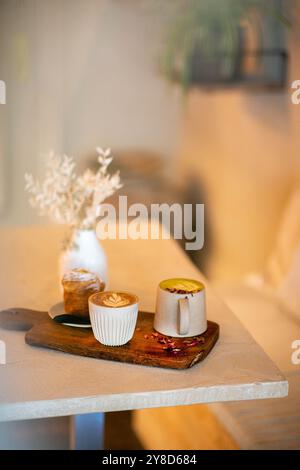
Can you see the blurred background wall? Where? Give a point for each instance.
(243, 149)
(79, 74)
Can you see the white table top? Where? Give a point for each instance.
(37, 382)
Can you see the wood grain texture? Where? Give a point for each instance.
(181, 428)
(21, 319)
(145, 348)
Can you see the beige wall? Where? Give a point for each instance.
(79, 73)
(244, 148)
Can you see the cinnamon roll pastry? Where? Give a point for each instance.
(79, 285)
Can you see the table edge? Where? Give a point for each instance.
(139, 400)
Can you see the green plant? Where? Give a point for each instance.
(212, 27)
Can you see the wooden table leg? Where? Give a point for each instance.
(87, 431)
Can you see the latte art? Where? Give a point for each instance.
(115, 300)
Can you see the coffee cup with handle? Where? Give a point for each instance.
(180, 308)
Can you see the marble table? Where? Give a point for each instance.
(37, 383)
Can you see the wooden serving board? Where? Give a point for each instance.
(147, 347)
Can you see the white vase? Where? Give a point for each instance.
(86, 252)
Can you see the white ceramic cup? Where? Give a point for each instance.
(113, 326)
(180, 315)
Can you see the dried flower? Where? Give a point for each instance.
(70, 199)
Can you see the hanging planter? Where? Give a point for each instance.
(220, 67)
(208, 43)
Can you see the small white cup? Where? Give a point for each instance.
(180, 315)
(113, 326)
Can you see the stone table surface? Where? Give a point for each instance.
(37, 382)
